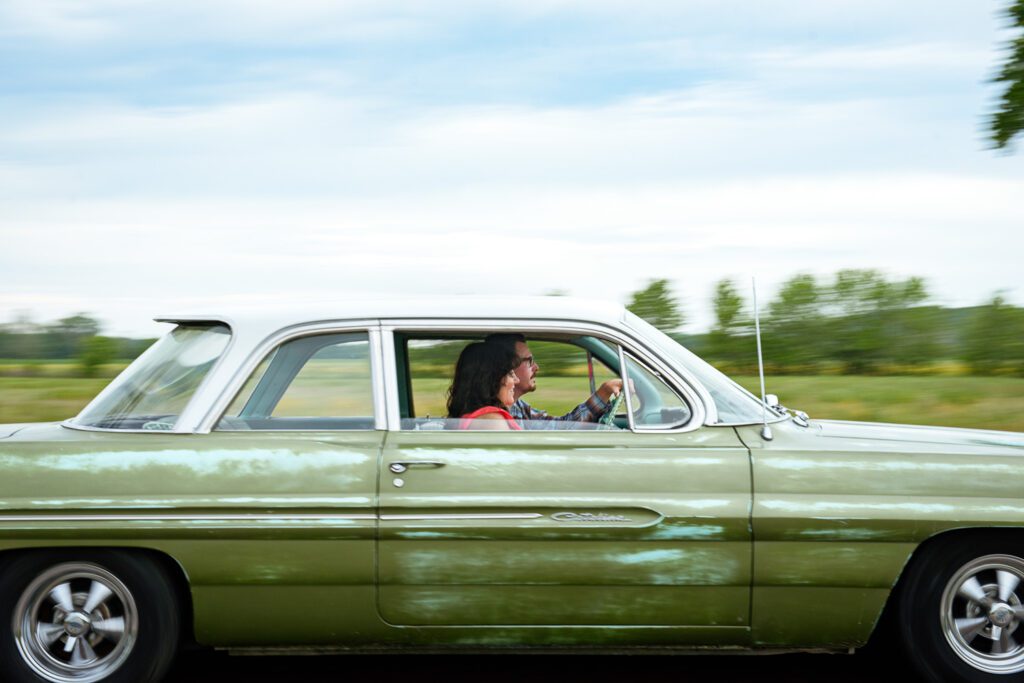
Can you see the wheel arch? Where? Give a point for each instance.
(885, 622)
(169, 564)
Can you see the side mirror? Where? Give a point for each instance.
(772, 400)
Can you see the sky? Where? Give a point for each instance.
(162, 157)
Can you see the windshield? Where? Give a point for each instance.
(153, 390)
(735, 404)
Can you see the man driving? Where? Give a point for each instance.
(529, 417)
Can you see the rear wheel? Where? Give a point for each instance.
(962, 609)
(86, 617)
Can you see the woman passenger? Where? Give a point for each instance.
(483, 387)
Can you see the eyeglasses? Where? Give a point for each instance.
(525, 359)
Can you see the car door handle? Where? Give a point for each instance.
(400, 466)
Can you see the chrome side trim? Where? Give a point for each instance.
(172, 518)
(259, 517)
(499, 515)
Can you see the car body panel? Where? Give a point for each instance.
(840, 508)
(603, 527)
(239, 512)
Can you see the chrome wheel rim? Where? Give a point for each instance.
(981, 610)
(75, 623)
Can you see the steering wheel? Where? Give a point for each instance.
(608, 419)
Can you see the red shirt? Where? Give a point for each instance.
(469, 417)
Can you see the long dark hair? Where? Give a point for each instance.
(478, 374)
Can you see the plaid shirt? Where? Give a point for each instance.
(529, 417)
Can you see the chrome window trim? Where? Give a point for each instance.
(294, 431)
(223, 400)
(193, 412)
(686, 386)
(624, 374)
(392, 413)
(377, 384)
(778, 419)
(193, 408)
(107, 430)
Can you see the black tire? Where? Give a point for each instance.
(949, 636)
(128, 634)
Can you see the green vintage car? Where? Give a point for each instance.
(289, 480)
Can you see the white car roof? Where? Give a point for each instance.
(256, 329)
(264, 319)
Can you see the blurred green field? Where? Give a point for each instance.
(983, 402)
(55, 368)
(43, 399)
(980, 402)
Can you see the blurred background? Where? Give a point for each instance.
(857, 157)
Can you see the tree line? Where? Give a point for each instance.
(75, 337)
(858, 321)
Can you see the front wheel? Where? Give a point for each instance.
(86, 617)
(962, 610)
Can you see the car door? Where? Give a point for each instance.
(291, 472)
(618, 528)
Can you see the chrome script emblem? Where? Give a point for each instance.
(588, 517)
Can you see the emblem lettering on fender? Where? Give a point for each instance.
(588, 517)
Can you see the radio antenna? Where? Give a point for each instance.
(766, 431)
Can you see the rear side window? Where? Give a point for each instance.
(321, 382)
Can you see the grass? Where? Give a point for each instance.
(983, 402)
(45, 399)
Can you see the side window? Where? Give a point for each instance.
(563, 378)
(426, 368)
(655, 405)
(319, 382)
(431, 367)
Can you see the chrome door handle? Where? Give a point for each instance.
(400, 466)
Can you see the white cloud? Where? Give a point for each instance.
(930, 56)
(69, 19)
(268, 21)
(318, 146)
(518, 239)
(303, 22)
(301, 175)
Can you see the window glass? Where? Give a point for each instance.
(655, 405)
(563, 378)
(562, 384)
(735, 404)
(431, 367)
(152, 392)
(250, 385)
(318, 382)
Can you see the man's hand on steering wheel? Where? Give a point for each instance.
(608, 390)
